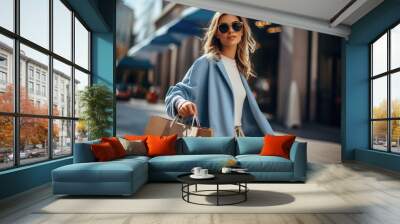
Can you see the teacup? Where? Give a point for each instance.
(196, 171)
(203, 172)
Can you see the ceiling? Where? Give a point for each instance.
(321, 9)
(333, 17)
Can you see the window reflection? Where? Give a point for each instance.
(62, 29)
(81, 45)
(395, 47)
(395, 136)
(395, 95)
(62, 138)
(34, 81)
(62, 90)
(7, 14)
(81, 82)
(379, 56)
(379, 100)
(382, 138)
(38, 102)
(379, 135)
(33, 140)
(6, 74)
(6, 142)
(34, 21)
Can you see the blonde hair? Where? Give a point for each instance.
(213, 47)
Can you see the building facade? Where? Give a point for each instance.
(34, 82)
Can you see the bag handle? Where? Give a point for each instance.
(176, 118)
(195, 118)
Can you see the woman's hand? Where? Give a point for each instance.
(187, 109)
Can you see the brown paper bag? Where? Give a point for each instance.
(198, 131)
(158, 125)
(204, 132)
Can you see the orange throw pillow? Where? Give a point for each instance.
(103, 152)
(135, 137)
(116, 145)
(277, 145)
(161, 145)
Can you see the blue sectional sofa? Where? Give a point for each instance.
(125, 176)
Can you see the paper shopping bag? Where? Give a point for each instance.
(162, 126)
(198, 131)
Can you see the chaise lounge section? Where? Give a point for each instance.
(88, 177)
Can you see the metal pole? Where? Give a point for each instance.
(217, 194)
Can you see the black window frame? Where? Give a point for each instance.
(388, 74)
(16, 115)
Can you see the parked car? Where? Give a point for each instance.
(152, 95)
(57, 152)
(25, 154)
(138, 91)
(37, 153)
(123, 92)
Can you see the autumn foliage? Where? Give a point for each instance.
(380, 127)
(33, 131)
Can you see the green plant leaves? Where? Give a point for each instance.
(96, 102)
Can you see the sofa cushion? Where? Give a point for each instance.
(257, 163)
(112, 171)
(249, 145)
(206, 145)
(83, 152)
(277, 145)
(134, 147)
(116, 145)
(185, 163)
(103, 152)
(161, 145)
(133, 158)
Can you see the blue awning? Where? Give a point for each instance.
(187, 28)
(192, 22)
(201, 17)
(134, 63)
(167, 38)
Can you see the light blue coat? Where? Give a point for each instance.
(207, 84)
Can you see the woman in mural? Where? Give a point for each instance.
(215, 88)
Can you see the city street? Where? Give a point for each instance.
(132, 116)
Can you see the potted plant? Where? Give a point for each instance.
(96, 103)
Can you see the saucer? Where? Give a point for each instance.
(208, 176)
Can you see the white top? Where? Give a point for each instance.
(239, 93)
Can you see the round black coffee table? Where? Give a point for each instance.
(238, 179)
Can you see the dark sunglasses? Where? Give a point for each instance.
(236, 26)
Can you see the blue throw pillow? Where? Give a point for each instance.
(83, 153)
(249, 145)
(206, 145)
